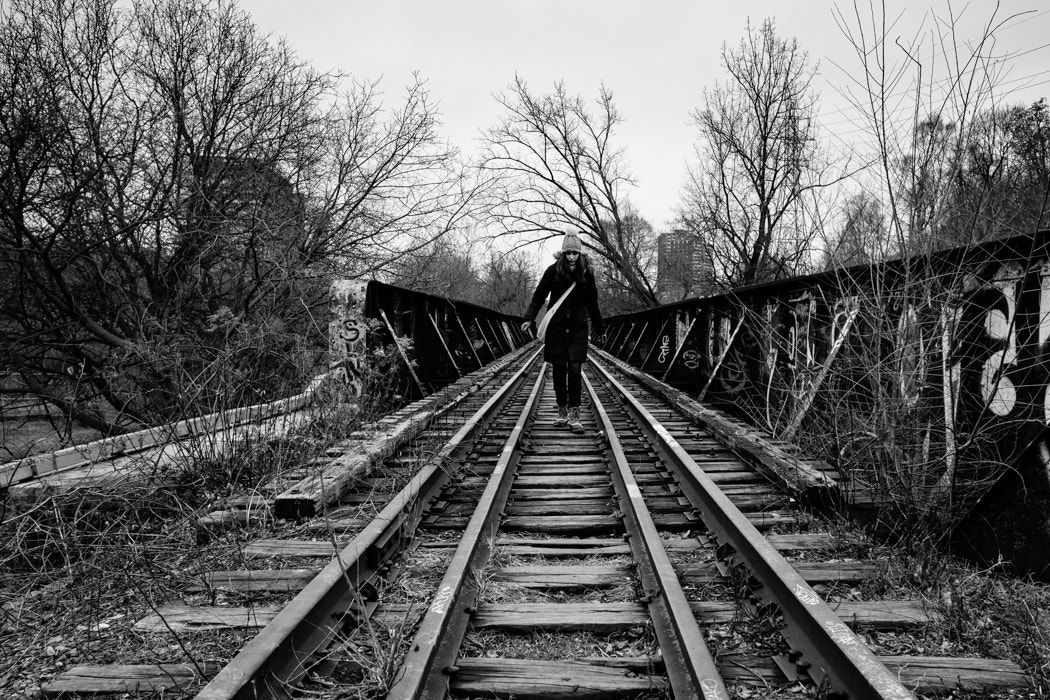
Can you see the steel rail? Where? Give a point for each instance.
(439, 635)
(690, 667)
(831, 650)
(280, 654)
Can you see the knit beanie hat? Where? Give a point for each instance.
(571, 242)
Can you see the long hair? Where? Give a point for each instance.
(577, 275)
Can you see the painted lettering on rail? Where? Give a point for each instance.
(806, 595)
(439, 606)
(841, 633)
(710, 688)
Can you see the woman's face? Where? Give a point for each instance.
(571, 256)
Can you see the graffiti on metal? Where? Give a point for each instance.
(957, 343)
(438, 340)
(347, 333)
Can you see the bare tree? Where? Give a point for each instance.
(554, 165)
(926, 102)
(441, 268)
(1002, 178)
(637, 240)
(508, 281)
(863, 230)
(756, 161)
(921, 394)
(175, 193)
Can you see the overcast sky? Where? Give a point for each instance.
(656, 57)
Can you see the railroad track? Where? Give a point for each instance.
(521, 560)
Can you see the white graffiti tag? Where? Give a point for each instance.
(665, 347)
(806, 595)
(841, 633)
(711, 689)
(441, 600)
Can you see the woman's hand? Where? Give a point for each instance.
(526, 326)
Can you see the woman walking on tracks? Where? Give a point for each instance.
(570, 281)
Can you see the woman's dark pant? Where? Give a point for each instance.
(568, 383)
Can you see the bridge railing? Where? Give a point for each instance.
(453, 338)
(438, 339)
(937, 365)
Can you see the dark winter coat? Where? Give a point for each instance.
(567, 331)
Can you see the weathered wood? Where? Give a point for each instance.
(233, 519)
(766, 521)
(725, 466)
(564, 482)
(812, 572)
(209, 426)
(739, 668)
(805, 478)
(595, 542)
(677, 522)
(840, 572)
(589, 507)
(570, 546)
(319, 526)
(188, 618)
(567, 499)
(563, 524)
(563, 494)
(525, 551)
(939, 674)
(527, 679)
(309, 496)
(565, 469)
(859, 615)
(274, 580)
(784, 542)
(129, 678)
(148, 466)
(752, 489)
(817, 540)
(560, 577)
(289, 548)
(549, 453)
(530, 459)
(743, 478)
(654, 479)
(593, 617)
(883, 614)
(753, 504)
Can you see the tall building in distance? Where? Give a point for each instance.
(681, 271)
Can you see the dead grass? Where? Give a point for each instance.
(982, 612)
(78, 570)
(420, 572)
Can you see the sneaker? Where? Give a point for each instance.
(563, 417)
(574, 420)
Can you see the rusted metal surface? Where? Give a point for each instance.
(825, 642)
(449, 337)
(561, 508)
(950, 351)
(276, 657)
(310, 495)
(690, 666)
(439, 634)
(807, 480)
